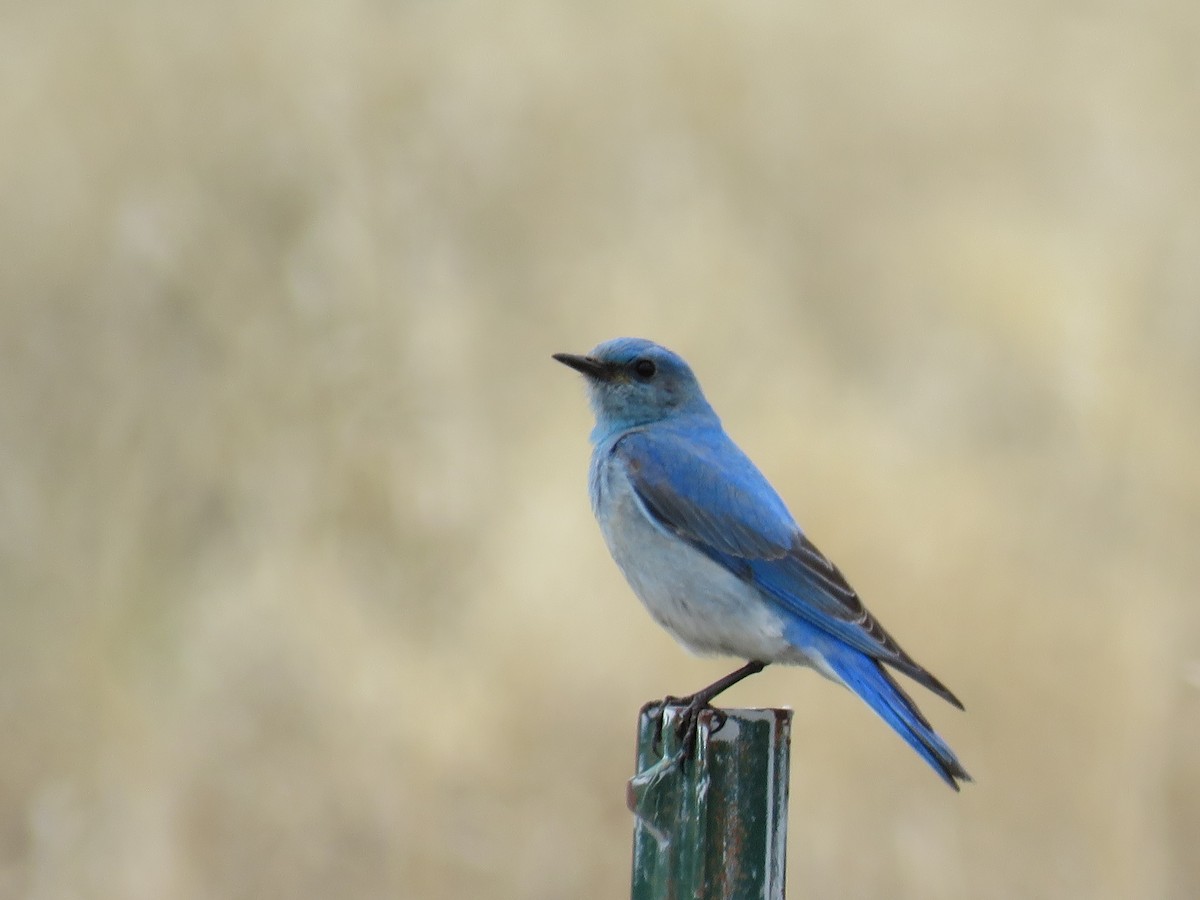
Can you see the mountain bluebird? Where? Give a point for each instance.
(714, 554)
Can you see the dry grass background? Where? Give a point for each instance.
(302, 596)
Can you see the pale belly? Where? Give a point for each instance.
(705, 607)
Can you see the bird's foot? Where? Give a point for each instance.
(687, 722)
(688, 726)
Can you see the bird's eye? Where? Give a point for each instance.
(644, 369)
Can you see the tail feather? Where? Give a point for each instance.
(867, 678)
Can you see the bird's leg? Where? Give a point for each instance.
(694, 704)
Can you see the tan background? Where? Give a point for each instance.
(301, 593)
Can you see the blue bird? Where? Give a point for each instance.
(711, 550)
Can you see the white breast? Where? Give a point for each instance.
(704, 606)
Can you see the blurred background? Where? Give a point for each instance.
(302, 596)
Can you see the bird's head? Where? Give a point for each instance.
(632, 381)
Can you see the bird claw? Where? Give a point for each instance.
(660, 715)
(694, 704)
(687, 723)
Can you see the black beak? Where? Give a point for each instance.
(590, 367)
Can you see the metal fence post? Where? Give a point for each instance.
(713, 827)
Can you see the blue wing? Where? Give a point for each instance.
(701, 487)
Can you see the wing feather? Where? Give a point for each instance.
(703, 489)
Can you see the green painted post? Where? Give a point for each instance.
(713, 827)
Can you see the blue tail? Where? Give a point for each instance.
(867, 678)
